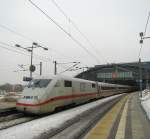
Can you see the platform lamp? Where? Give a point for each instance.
(30, 49)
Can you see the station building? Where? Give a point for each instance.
(121, 73)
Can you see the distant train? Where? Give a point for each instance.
(45, 94)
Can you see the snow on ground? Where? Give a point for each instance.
(35, 128)
(145, 102)
(1, 98)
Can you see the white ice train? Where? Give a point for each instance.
(45, 94)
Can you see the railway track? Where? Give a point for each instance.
(14, 122)
(11, 117)
(78, 127)
(5, 112)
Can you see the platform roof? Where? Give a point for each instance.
(122, 73)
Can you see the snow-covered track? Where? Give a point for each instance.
(17, 119)
(10, 117)
(8, 111)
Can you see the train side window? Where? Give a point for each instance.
(67, 83)
(39, 83)
(93, 85)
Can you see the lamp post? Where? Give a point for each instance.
(142, 37)
(30, 49)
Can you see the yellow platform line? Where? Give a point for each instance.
(104, 126)
(122, 124)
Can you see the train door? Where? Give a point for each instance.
(67, 91)
(98, 89)
(75, 90)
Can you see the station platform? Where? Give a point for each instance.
(126, 120)
(7, 105)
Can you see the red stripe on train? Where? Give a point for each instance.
(56, 99)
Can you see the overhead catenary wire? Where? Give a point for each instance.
(146, 23)
(77, 28)
(18, 34)
(27, 38)
(60, 9)
(3, 43)
(69, 68)
(61, 28)
(12, 50)
(19, 52)
(39, 57)
(30, 39)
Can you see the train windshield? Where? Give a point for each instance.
(39, 83)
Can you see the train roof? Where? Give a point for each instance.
(76, 79)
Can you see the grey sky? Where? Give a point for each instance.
(111, 25)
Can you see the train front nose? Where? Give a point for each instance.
(28, 105)
(31, 97)
(27, 109)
